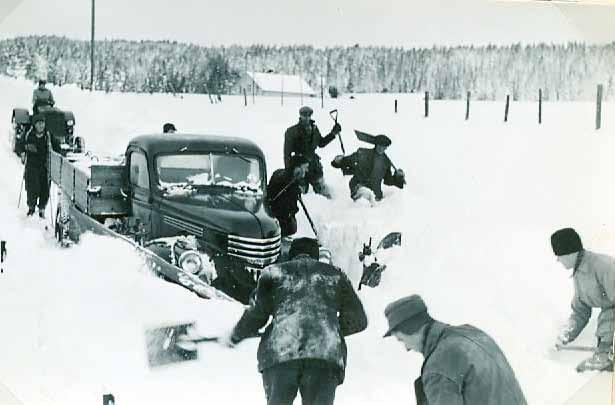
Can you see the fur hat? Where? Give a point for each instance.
(304, 246)
(566, 241)
(407, 314)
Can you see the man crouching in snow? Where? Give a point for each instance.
(370, 167)
(312, 306)
(594, 287)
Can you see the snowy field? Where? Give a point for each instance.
(482, 199)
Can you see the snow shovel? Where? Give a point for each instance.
(576, 348)
(174, 344)
(372, 272)
(334, 117)
(369, 138)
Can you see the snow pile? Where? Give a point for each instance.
(481, 201)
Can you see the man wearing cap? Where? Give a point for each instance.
(168, 128)
(462, 364)
(283, 193)
(303, 139)
(594, 287)
(35, 146)
(312, 307)
(41, 96)
(370, 167)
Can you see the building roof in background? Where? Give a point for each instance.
(278, 82)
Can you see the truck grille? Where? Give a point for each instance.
(256, 252)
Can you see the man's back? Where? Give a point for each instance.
(304, 298)
(467, 362)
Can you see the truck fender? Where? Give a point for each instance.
(21, 116)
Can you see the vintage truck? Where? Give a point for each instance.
(192, 204)
(59, 123)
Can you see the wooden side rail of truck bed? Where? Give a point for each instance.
(94, 189)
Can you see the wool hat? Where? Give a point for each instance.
(409, 312)
(566, 241)
(168, 127)
(305, 110)
(38, 117)
(304, 246)
(42, 81)
(296, 159)
(382, 140)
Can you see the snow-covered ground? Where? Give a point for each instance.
(482, 198)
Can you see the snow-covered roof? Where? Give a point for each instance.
(278, 82)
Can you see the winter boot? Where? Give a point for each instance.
(41, 213)
(30, 211)
(600, 361)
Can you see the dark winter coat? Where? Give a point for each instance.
(38, 152)
(285, 205)
(297, 140)
(312, 306)
(42, 97)
(361, 165)
(464, 366)
(594, 287)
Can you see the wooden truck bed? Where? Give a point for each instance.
(95, 189)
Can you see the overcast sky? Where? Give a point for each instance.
(407, 23)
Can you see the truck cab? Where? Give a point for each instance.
(210, 188)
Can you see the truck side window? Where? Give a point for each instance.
(139, 175)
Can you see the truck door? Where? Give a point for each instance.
(141, 197)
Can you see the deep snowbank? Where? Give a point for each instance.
(481, 201)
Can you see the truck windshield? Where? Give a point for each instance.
(239, 172)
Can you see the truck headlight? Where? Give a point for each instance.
(191, 262)
(70, 123)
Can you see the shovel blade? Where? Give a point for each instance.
(164, 345)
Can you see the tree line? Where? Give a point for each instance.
(563, 71)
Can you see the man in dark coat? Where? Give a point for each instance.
(303, 139)
(36, 146)
(312, 306)
(462, 364)
(41, 97)
(283, 192)
(168, 128)
(370, 167)
(594, 287)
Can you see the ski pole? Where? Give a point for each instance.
(339, 135)
(23, 179)
(307, 214)
(284, 189)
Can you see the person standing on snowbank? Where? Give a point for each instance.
(312, 307)
(303, 139)
(594, 287)
(462, 364)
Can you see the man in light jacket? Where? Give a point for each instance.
(594, 287)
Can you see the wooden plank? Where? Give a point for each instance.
(107, 206)
(105, 175)
(55, 163)
(105, 192)
(67, 178)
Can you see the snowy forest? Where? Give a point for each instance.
(563, 71)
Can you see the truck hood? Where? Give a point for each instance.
(227, 212)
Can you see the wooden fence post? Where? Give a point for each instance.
(506, 109)
(395, 106)
(540, 106)
(426, 104)
(599, 107)
(468, 106)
